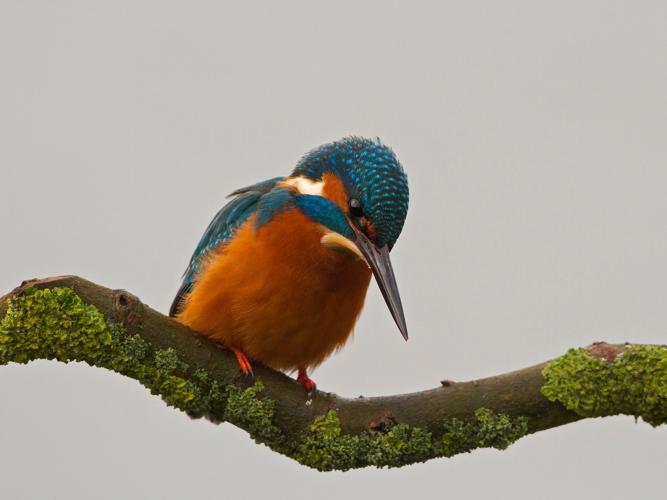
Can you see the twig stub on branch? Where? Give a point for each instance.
(68, 318)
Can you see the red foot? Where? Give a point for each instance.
(244, 364)
(308, 383)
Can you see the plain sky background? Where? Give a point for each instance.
(534, 138)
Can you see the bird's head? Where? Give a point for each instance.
(357, 190)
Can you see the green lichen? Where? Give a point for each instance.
(201, 376)
(56, 324)
(133, 346)
(216, 394)
(255, 414)
(166, 359)
(325, 447)
(635, 383)
(487, 430)
(52, 324)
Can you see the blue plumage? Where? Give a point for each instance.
(222, 228)
(274, 201)
(325, 212)
(370, 173)
(262, 187)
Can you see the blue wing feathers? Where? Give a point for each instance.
(325, 212)
(276, 200)
(262, 187)
(222, 228)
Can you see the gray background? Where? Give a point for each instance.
(534, 138)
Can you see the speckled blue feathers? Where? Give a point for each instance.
(370, 172)
(325, 212)
(222, 228)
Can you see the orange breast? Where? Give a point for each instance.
(278, 294)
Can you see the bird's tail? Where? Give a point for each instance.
(177, 304)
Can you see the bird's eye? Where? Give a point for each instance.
(355, 208)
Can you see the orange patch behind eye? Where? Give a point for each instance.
(370, 230)
(334, 190)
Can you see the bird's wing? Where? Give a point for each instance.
(221, 229)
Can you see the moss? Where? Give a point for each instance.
(487, 430)
(216, 394)
(247, 410)
(166, 359)
(635, 383)
(401, 444)
(134, 346)
(52, 324)
(201, 376)
(56, 324)
(325, 447)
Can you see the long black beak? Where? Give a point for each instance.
(379, 262)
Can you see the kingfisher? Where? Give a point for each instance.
(281, 273)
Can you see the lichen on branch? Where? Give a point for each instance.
(325, 447)
(632, 382)
(45, 321)
(54, 323)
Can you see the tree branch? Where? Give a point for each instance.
(68, 318)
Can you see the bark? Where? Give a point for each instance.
(516, 394)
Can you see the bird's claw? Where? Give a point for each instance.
(307, 383)
(244, 363)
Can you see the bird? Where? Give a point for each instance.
(280, 274)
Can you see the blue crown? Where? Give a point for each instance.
(371, 173)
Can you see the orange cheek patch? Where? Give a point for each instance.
(371, 232)
(334, 190)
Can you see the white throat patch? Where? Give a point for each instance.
(305, 186)
(330, 239)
